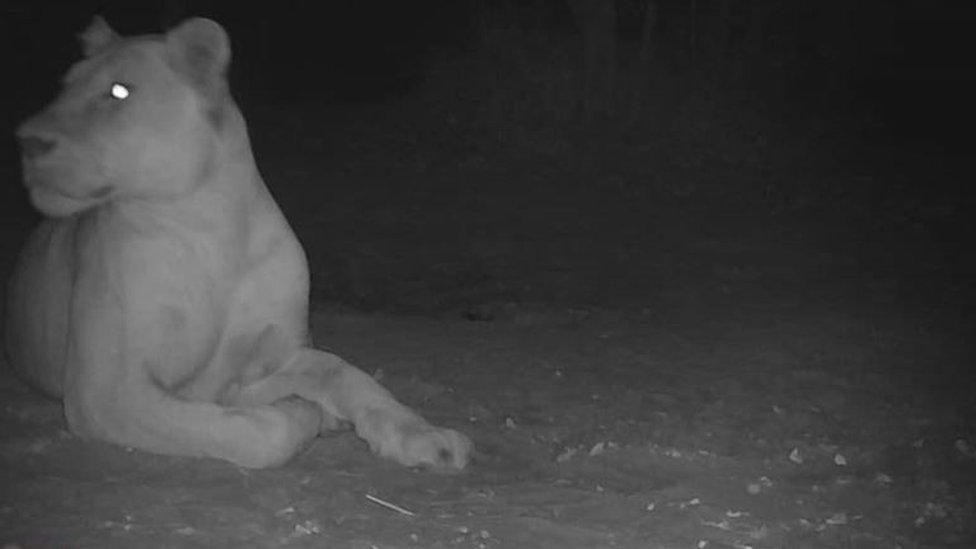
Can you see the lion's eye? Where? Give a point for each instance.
(119, 91)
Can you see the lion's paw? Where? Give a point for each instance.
(414, 442)
(442, 449)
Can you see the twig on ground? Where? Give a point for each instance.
(391, 506)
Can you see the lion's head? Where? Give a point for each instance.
(138, 118)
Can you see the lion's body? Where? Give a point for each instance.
(165, 298)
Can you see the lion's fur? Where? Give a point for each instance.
(165, 298)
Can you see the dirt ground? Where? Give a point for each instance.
(636, 371)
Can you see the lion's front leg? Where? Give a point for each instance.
(349, 394)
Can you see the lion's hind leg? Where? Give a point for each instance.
(346, 393)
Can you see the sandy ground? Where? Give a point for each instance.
(634, 374)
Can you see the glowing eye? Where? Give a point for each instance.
(119, 91)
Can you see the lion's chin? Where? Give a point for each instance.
(56, 192)
(55, 204)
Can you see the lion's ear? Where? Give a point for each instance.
(200, 49)
(97, 36)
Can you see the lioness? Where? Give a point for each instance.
(165, 297)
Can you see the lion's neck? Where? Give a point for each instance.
(220, 211)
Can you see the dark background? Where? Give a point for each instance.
(831, 120)
(907, 63)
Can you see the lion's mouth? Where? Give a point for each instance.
(35, 180)
(53, 199)
(43, 186)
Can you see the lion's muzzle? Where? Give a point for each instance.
(33, 147)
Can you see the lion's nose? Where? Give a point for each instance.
(32, 146)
